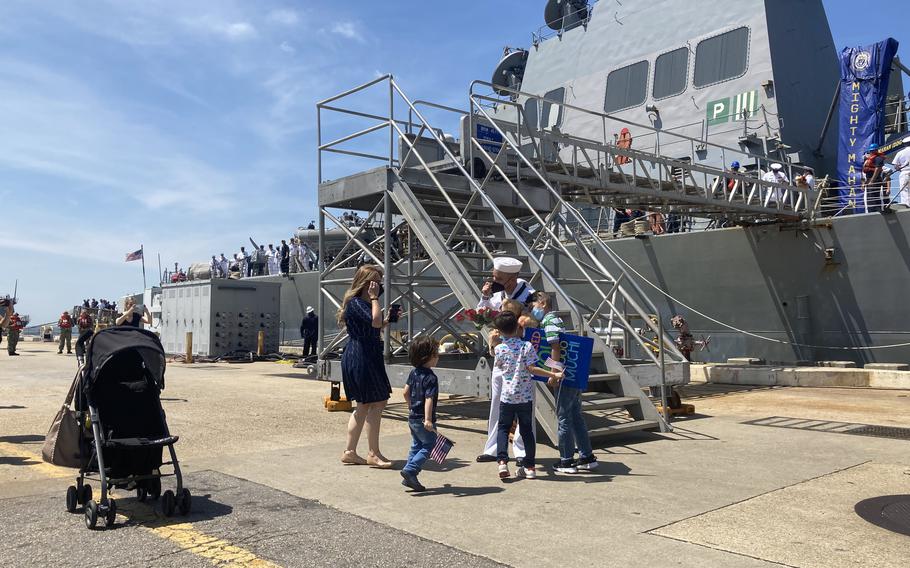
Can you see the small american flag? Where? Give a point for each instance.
(136, 255)
(441, 449)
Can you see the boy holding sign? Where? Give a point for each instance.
(572, 430)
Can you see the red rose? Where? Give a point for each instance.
(459, 317)
(472, 313)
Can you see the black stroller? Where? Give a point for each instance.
(122, 425)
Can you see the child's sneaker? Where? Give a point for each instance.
(503, 470)
(587, 464)
(526, 472)
(565, 467)
(410, 480)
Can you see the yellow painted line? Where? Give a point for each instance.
(218, 551)
(33, 462)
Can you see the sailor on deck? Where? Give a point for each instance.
(901, 163)
(223, 266)
(505, 284)
(776, 175)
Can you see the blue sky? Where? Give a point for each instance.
(190, 126)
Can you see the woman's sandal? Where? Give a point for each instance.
(378, 461)
(350, 457)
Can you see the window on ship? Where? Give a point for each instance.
(670, 72)
(721, 57)
(626, 87)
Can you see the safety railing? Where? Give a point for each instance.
(600, 155)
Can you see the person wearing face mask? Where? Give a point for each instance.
(362, 367)
(505, 285)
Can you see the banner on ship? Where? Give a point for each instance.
(864, 85)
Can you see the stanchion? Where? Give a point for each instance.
(189, 347)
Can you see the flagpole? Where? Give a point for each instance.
(160, 275)
(142, 252)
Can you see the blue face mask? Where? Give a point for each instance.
(538, 313)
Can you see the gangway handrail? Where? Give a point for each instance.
(605, 116)
(582, 222)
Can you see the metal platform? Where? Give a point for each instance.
(452, 206)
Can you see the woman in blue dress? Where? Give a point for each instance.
(362, 366)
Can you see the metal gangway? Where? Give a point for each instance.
(449, 207)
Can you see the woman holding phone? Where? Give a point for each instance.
(132, 316)
(362, 366)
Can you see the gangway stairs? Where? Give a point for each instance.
(460, 206)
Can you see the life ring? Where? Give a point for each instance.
(624, 142)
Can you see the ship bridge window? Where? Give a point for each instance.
(626, 87)
(721, 57)
(546, 115)
(670, 72)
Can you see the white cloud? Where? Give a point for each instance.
(63, 130)
(217, 27)
(349, 30)
(284, 16)
(287, 47)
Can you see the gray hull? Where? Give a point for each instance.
(775, 281)
(772, 281)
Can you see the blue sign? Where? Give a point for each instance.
(575, 354)
(488, 133)
(865, 72)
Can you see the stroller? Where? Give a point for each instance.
(122, 425)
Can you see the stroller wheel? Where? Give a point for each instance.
(91, 515)
(72, 499)
(142, 493)
(86, 495)
(154, 488)
(111, 515)
(168, 503)
(184, 502)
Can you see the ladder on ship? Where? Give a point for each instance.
(463, 205)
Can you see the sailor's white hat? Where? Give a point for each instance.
(776, 167)
(309, 309)
(507, 264)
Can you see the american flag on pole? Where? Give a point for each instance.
(136, 255)
(441, 449)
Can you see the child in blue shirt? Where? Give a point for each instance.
(516, 359)
(422, 393)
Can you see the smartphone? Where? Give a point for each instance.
(394, 312)
(139, 309)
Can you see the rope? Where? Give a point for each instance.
(743, 331)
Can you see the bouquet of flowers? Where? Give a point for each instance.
(480, 318)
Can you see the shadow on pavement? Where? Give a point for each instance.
(23, 439)
(457, 491)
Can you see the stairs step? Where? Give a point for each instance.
(446, 220)
(623, 428)
(603, 378)
(599, 401)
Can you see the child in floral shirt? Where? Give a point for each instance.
(516, 359)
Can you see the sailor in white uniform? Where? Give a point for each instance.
(274, 267)
(505, 285)
(223, 266)
(901, 163)
(215, 267)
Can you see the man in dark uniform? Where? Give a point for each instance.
(285, 257)
(309, 329)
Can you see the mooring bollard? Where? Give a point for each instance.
(260, 344)
(189, 347)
